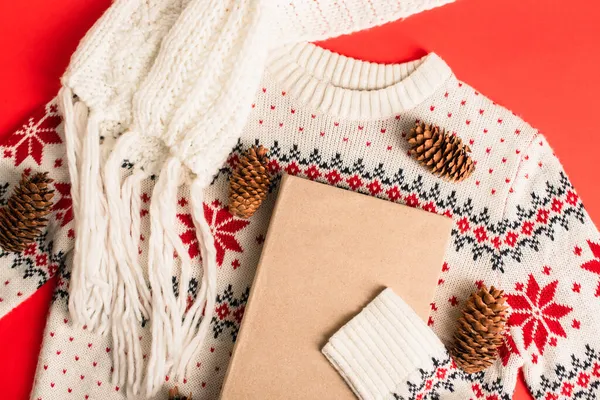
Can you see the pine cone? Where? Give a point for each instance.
(24, 217)
(249, 183)
(445, 155)
(480, 330)
(174, 395)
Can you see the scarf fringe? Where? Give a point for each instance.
(90, 297)
(108, 291)
(132, 302)
(178, 330)
(166, 313)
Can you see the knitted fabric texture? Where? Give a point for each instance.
(383, 347)
(164, 85)
(519, 225)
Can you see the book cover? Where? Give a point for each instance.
(328, 252)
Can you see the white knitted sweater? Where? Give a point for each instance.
(518, 225)
(164, 85)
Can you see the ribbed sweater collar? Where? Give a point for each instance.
(352, 89)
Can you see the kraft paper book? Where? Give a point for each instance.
(327, 254)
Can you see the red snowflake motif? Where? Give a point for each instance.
(233, 160)
(567, 389)
(393, 193)
(542, 216)
(223, 226)
(374, 187)
(430, 207)
(557, 205)
(572, 198)
(511, 239)
(64, 204)
(41, 260)
(292, 168)
(30, 250)
(480, 234)
(583, 379)
(52, 269)
(594, 265)
(412, 200)
(333, 177)
(354, 182)
(463, 225)
(222, 311)
(527, 228)
(312, 173)
(477, 390)
(30, 140)
(441, 373)
(537, 313)
(274, 167)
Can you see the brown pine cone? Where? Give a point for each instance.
(249, 183)
(445, 155)
(174, 395)
(24, 216)
(480, 330)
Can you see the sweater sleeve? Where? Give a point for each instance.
(388, 352)
(299, 21)
(36, 146)
(550, 270)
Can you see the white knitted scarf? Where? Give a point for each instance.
(170, 83)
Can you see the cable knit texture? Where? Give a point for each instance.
(319, 20)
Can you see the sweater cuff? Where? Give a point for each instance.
(382, 348)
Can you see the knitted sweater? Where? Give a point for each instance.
(518, 225)
(165, 84)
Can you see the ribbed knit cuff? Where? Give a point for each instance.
(381, 348)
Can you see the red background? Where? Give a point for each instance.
(539, 59)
